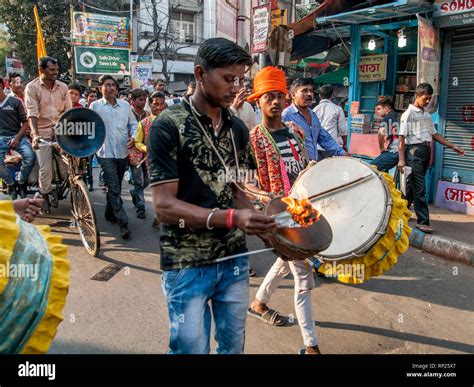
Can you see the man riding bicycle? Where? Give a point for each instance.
(46, 99)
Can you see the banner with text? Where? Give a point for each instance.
(261, 26)
(142, 71)
(429, 57)
(93, 60)
(91, 29)
(373, 68)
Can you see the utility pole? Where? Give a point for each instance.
(262, 57)
(73, 67)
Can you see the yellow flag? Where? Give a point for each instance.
(40, 46)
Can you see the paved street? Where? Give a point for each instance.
(424, 305)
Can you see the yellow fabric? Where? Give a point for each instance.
(40, 46)
(139, 138)
(373, 262)
(41, 339)
(9, 232)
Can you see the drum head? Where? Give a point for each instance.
(358, 215)
(80, 132)
(306, 240)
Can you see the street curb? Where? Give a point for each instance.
(443, 247)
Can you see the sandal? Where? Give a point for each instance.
(270, 316)
(425, 228)
(302, 351)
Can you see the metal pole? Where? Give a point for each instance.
(73, 67)
(354, 89)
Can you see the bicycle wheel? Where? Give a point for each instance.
(85, 218)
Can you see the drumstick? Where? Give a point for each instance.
(340, 187)
(141, 162)
(307, 260)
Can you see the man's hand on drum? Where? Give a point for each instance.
(27, 209)
(130, 142)
(251, 222)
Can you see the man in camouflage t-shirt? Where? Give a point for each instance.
(188, 146)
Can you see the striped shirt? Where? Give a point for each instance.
(417, 126)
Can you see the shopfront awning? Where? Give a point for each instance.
(338, 26)
(335, 77)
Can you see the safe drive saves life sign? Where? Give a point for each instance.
(94, 60)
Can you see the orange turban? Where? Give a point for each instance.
(266, 80)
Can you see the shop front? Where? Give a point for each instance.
(395, 46)
(455, 174)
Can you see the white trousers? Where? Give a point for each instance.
(304, 282)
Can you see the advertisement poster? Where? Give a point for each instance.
(93, 60)
(227, 19)
(456, 197)
(90, 29)
(429, 55)
(261, 26)
(450, 13)
(142, 70)
(14, 65)
(373, 68)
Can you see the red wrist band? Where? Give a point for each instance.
(230, 218)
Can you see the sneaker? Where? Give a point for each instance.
(91, 188)
(156, 223)
(252, 272)
(125, 232)
(141, 215)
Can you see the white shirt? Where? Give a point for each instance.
(246, 114)
(417, 126)
(120, 125)
(332, 119)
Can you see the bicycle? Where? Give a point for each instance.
(83, 213)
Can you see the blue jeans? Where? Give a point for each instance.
(140, 182)
(386, 161)
(27, 163)
(188, 292)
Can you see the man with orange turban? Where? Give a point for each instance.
(280, 155)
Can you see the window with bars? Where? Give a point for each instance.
(182, 26)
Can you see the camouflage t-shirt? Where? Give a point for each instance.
(179, 152)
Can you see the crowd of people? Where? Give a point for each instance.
(180, 145)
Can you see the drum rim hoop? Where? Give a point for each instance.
(362, 249)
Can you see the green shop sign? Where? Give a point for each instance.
(93, 60)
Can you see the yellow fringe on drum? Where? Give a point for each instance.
(384, 254)
(44, 333)
(9, 231)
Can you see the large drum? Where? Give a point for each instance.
(367, 216)
(34, 281)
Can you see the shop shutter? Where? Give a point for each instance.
(460, 107)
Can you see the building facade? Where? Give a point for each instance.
(179, 27)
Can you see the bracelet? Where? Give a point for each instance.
(209, 218)
(230, 218)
